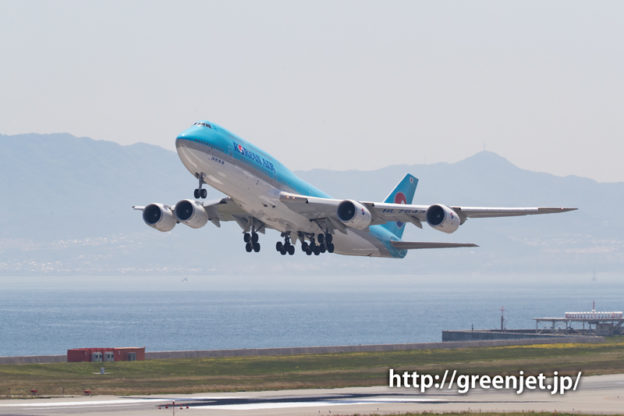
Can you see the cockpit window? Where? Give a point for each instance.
(201, 123)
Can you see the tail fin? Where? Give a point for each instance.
(402, 194)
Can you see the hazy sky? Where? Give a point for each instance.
(331, 84)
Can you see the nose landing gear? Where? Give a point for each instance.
(200, 192)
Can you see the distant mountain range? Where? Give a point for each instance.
(67, 209)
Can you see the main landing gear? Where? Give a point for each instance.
(251, 241)
(286, 246)
(323, 243)
(200, 192)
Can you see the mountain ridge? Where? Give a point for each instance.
(69, 211)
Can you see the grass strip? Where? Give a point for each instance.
(302, 371)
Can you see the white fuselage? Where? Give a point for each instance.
(260, 198)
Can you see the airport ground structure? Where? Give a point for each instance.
(553, 333)
(571, 324)
(526, 335)
(76, 355)
(592, 323)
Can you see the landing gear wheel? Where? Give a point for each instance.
(330, 247)
(316, 250)
(199, 191)
(254, 237)
(283, 251)
(246, 237)
(279, 245)
(304, 246)
(308, 251)
(291, 249)
(322, 248)
(329, 238)
(320, 238)
(256, 247)
(248, 247)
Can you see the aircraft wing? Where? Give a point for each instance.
(225, 209)
(409, 245)
(316, 208)
(383, 212)
(484, 212)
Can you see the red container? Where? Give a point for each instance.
(105, 354)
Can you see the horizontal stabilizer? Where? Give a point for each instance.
(409, 245)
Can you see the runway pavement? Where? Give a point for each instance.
(597, 394)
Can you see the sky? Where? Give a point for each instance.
(328, 84)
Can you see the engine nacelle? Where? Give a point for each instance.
(191, 213)
(443, 218)
(159, 216)
(354, 214)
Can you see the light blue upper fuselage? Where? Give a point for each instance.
(268, 168)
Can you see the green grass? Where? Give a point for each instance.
(302, 371)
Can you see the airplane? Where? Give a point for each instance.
(263, 194)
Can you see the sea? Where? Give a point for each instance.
(49, 315)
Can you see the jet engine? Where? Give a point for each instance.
(191, 213)
(443, 218)
(159, 216)
(354, 214)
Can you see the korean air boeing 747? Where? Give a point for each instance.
(262, 193)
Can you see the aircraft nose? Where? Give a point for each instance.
(200, 131)
(189, 135)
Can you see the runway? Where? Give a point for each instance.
(597, 394)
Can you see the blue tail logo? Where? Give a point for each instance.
(402, 194)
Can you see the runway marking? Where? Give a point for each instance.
(293, 404)
(260, 406)
(84, 403)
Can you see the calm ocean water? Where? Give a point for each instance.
(49, 320)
